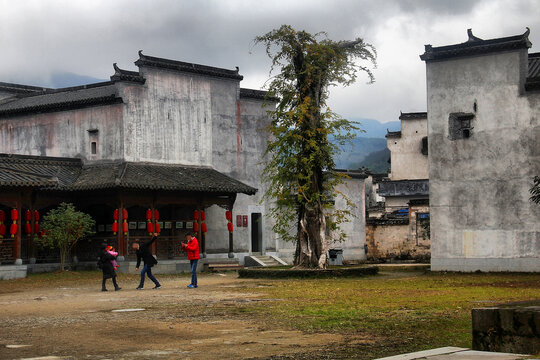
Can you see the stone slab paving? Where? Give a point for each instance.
(455, 353)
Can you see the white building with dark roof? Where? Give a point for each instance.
(483, 102)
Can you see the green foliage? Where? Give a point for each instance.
(63, 227)
(535, 190)
(300, 171)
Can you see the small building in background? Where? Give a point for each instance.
(398, 228)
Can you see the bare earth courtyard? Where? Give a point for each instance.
(78, 321)
(66, 316)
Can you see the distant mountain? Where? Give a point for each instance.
(355, 153)
(67, 79)
(376, 129)
(368, 148)
(377, 161)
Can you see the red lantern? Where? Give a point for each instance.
(125, 227)
(36, 228)
(203, 227)
(2, 216)
(195, 227)
(2, 230)
(114, 228)
(13, 229)
(14, 215)
(150, 228)
(36, 215)
(228, 215)
(115, 214)
(157, 228)
(124, 214)
(196, 215)
(156, 215)
(148, 214)
(230, 227)
(203, 216)
(27, 215)
(27, 228)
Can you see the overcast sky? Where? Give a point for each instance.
(41, 37)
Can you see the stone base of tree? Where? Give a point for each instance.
(307, 273)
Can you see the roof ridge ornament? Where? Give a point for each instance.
(117, 70)
(472, 38)
(141, 55)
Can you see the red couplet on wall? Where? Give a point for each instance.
(238, 220)
(244, 220)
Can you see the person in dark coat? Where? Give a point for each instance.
(144, 254)
(105, 260)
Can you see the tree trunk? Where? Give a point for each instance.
(62, 259)
(310, 245)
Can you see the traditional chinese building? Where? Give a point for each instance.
(173, 136)
(162, 145)
(399, 228)
(483, 104)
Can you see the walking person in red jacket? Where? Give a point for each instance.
(192, 248)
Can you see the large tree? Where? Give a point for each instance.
(300, 170)
(63, 227)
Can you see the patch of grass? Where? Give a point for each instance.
(413, 313)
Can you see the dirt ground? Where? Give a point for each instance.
(79, 322)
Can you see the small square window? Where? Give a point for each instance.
(460, 125)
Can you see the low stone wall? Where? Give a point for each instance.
(388, 239)
(9, 272)
(510, 328)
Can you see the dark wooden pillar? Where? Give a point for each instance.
(231, 238)
(121, 238)
(18, 236)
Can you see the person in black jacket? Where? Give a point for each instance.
(107, 268)
(143, 252)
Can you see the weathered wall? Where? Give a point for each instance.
(353, 246)
(65, 133)
(407, 160)
(398, 238)
(481, 216)
(169, 118)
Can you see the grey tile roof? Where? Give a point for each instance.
(53, 100)
(22, 170)
(126, 75)
(21, 89)
(393, 134)
(71, 175)
(413, 115)
(476, 46)
(145, 60)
